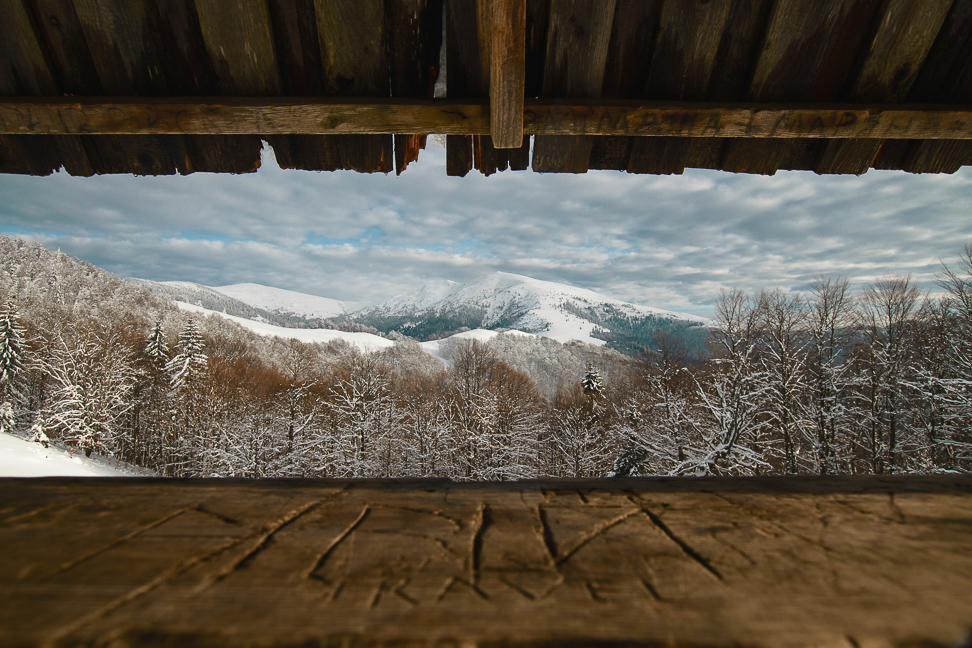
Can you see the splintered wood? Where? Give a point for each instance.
(752, 562)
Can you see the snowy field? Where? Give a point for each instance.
(19, 458)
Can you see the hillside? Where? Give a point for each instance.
(508, 301)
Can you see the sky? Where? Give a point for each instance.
(666, 241)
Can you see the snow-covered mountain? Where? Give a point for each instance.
(366, 342)
(286, 302)
(503, 300)
(497, 301)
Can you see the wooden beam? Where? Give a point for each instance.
(268, 116)
(507, 72)
(801, 562)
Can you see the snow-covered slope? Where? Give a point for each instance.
(364, 341)
(19, 458)
(285, 302)
(503, 300)
(437, 348)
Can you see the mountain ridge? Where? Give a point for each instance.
(497, 301)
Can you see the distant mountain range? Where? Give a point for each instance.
(493, 302)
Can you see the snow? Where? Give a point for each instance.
(285, 301)
(542, 306)
(364, 341)
(19, 458)
(436, 348)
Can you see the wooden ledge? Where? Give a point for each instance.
(753, 562)
(315, 116)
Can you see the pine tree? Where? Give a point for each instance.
(156, 348)
(11, 345)
(185, 367)
(592, 381)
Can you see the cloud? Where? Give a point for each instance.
(668, 241)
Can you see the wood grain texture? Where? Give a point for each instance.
(906, 32)
(354, 55)
(693, 562)
(689, 34)
(578, 38)
(507, 72)
(241, 115)
(945, 76)
(24, 70)
(468, 61)
(414, 45)
(809, 51)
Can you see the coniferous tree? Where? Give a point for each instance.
(12, 348)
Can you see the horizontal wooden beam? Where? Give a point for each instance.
(302, 116)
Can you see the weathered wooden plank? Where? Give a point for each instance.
(468, 61)
(459, 155)
(945, 76)
(301, 74)
(809, 52)
(70, 64)
(507, 72)
(578, 37)
(684, 57)
(798, 562)
(633, 37)
(414, 44)
(127, 60)
(239, 40)
(188, 71)
(353, 41)
(24, 70)
(906, 32)
(241, 115)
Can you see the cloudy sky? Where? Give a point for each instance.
(665, 241)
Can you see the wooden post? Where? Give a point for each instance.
(507, 44)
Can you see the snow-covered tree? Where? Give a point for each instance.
(591, 381)
(156, 347)
(885, 358)
(7, 419)
(92, 377)
(830, 330)
(724, 439)
(782, 361)
(363, 413)
(12, 347)
(187, 365)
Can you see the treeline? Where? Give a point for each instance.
(827, 382)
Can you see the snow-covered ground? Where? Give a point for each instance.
(437, 348)
(287, 302)
(19, 458)
(364, 341)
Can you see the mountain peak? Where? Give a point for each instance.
(503, 300)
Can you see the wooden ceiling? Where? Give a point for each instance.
(645, 86)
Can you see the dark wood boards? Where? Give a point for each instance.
(677, 562)
(414, 45)
(870, 53)
(240, 115)
(684, 57)
(578, 38)
(468, 62)
(908, 29)
(808, 53)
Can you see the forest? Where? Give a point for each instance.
(828, 381)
